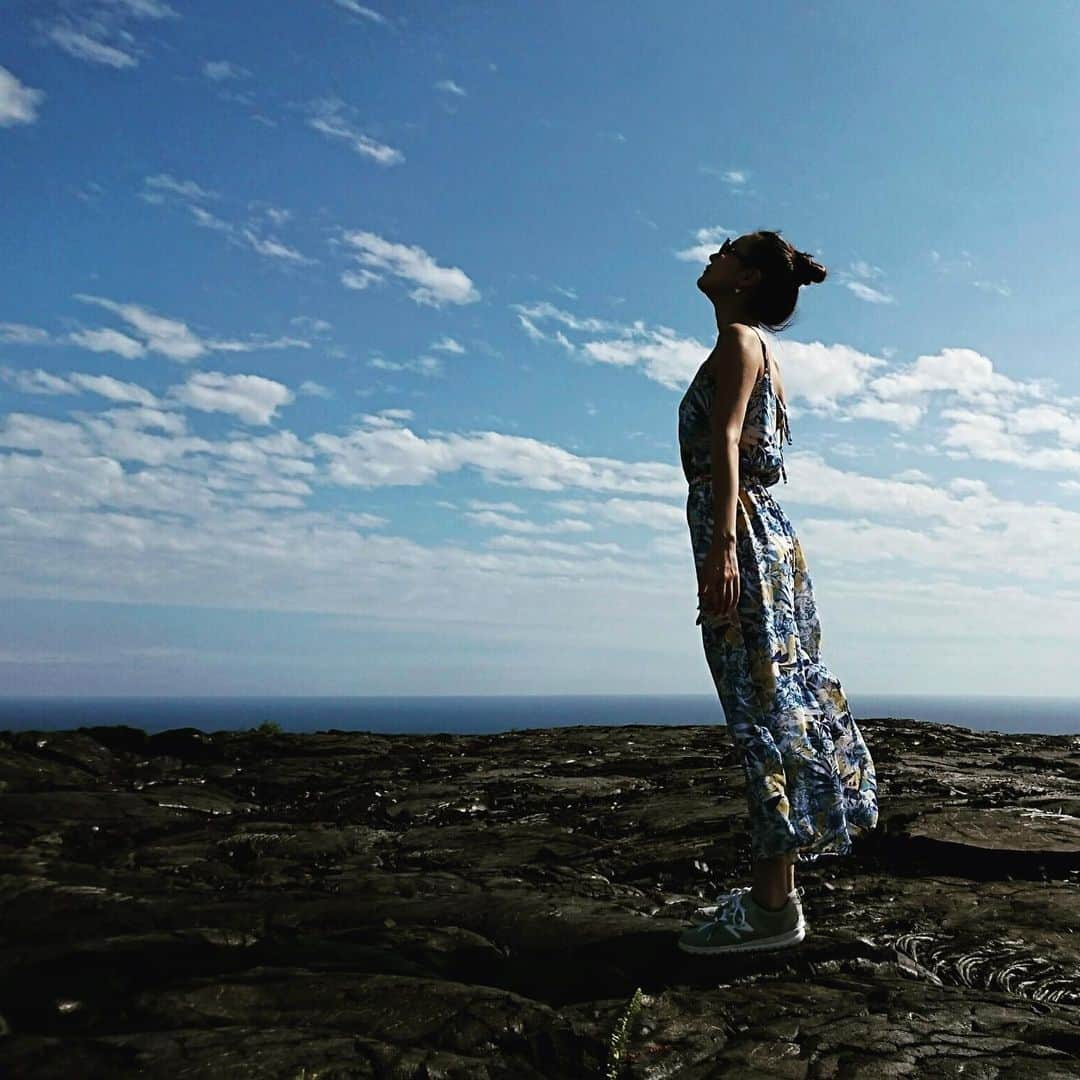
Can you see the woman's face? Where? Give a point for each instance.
(727, 269)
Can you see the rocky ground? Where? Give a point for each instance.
(357, 905)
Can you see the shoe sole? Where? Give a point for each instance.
(780, 941)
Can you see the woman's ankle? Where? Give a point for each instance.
(770, 902)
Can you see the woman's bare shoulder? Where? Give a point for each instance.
(740, 336)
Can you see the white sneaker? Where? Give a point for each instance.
(709, 913)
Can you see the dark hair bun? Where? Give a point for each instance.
(807, 269)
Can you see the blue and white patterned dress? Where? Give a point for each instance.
(810, 781)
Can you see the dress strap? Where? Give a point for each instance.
(764, 346)
(782, 423)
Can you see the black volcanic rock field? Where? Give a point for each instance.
(342, 904)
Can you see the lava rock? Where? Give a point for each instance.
(247, 904)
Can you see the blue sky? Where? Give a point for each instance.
(341, 345)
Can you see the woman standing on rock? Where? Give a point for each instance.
(810, 782)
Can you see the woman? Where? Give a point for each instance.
(810, 782)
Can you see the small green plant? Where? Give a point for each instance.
(268, 727)
(619, 1037)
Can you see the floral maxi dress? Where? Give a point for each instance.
(810, 781)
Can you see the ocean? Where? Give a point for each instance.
(406, 715)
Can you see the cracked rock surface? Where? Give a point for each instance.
(348, 904)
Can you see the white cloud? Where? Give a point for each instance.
(280, 444)
(244, 236)
(422, 365)
(36, 382)
(448, 344)
(435, 285)
(888, 412)
(499, 507)
(945, 265)
(114, 389)
(274, 248)
(1046, 418)
(89, 192)
(359, 279)
(96, 32)
(18, 103)
(734, 178)
(822, 375)
(316, 326)
(123, 434)
(528, 312)
(21, 334)
(993, 286)
(108, 341)
(818, 374)
(24, 431)
(277, 215)
(168, 337)
(866, 270)
(209, 221)
(381, 452)
(448, 86)
(186, 478)
(188, 189)
(325, 117)
(964, 372)
(530, 328)
(516, 525)
(544, 310)
(252, 398)
(224, 524)
(142, 417)
(871, 296)
(839, 382)
(50, 483)
(226, 345)
(662, 354)
(708, 240)
(85, 47)
(361, 10)
(146, 9)
(988, 437)
(220, 70)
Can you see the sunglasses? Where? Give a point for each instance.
(727, 245)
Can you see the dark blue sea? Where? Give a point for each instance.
(490, 715)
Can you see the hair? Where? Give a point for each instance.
(783, 269)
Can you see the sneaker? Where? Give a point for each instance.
(710, 911)
(744, 926)
(702, 915)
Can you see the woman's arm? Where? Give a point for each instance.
(735, 371)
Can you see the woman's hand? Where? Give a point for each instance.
(718, 580)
